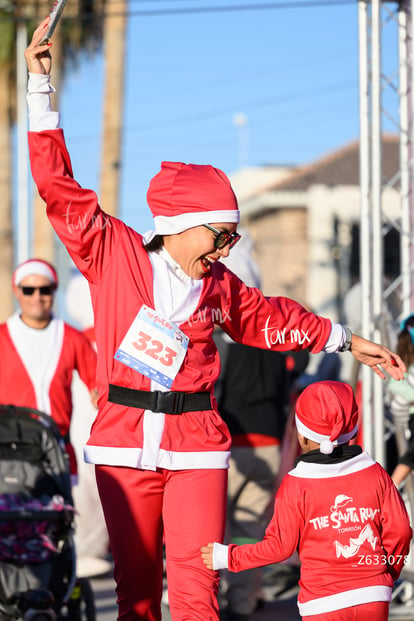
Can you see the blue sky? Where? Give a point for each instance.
(290, 70)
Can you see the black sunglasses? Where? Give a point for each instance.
(45, 290)
(222, 238)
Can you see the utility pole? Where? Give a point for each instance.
(114, 41)
(240, 120)
(23, 220)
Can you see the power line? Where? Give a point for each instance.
(308, 2)
(299, 4)
(271, 5)
(241, 7)
(226, 111)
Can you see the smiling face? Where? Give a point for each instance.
(194, 249)
(35, 309)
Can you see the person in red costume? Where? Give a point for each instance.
(159, 444)
(339, 509)
(39, 352)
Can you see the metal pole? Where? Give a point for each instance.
(410, 120)
(377, 235)
(405, 154)
(22, 242)
(410, 38)
(365, 224)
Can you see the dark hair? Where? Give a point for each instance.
(405, 348)
(155, 244)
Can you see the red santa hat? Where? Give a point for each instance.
(182, 196)
(327, 413)
(37, 267)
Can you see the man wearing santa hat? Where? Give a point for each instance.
(339, 509)
(159, 444)
(39, 352)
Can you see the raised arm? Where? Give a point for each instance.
(89, 234)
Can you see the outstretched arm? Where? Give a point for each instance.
(282, 324)
(88, 233)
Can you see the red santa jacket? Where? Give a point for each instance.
(50, 393)
(123, 277)
(349, 524)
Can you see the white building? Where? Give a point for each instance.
(304, 221)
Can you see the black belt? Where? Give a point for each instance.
(168, 402)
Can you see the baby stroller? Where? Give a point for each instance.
(37, 555)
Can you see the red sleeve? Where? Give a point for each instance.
(87, 231)
(280, 541)
(276, 323)
(396, 530)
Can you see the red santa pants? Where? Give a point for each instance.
(377, 611)
(186, 510)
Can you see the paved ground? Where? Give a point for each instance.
(285, 610)
(273, 610)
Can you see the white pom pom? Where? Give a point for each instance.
(326, 447)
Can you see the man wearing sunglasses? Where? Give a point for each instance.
(40, 352)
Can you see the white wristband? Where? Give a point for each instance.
(348, 339)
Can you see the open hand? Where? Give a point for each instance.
(378, 357)
(37, 56)
(207, 555)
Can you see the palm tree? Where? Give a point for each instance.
(80, 30)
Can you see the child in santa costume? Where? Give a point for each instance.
(339, 509)
(160, 447)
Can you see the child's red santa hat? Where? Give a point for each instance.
(327, 413)
(37, 267)
(182, 196)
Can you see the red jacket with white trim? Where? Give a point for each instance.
(16, 387)
(52, 392)
(350, 526)
(120, 274)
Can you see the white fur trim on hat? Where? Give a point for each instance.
(31, 267)
(320, 438)
(177, 224)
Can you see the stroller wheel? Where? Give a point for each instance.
(81, 606)
(34, 605)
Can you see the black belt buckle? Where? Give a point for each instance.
(168, 402)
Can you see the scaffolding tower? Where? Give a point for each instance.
(374, 17)
(380, 80)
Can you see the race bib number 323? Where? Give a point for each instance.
(153, 346)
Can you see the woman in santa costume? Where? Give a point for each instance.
(339, 509)
(159, 444)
